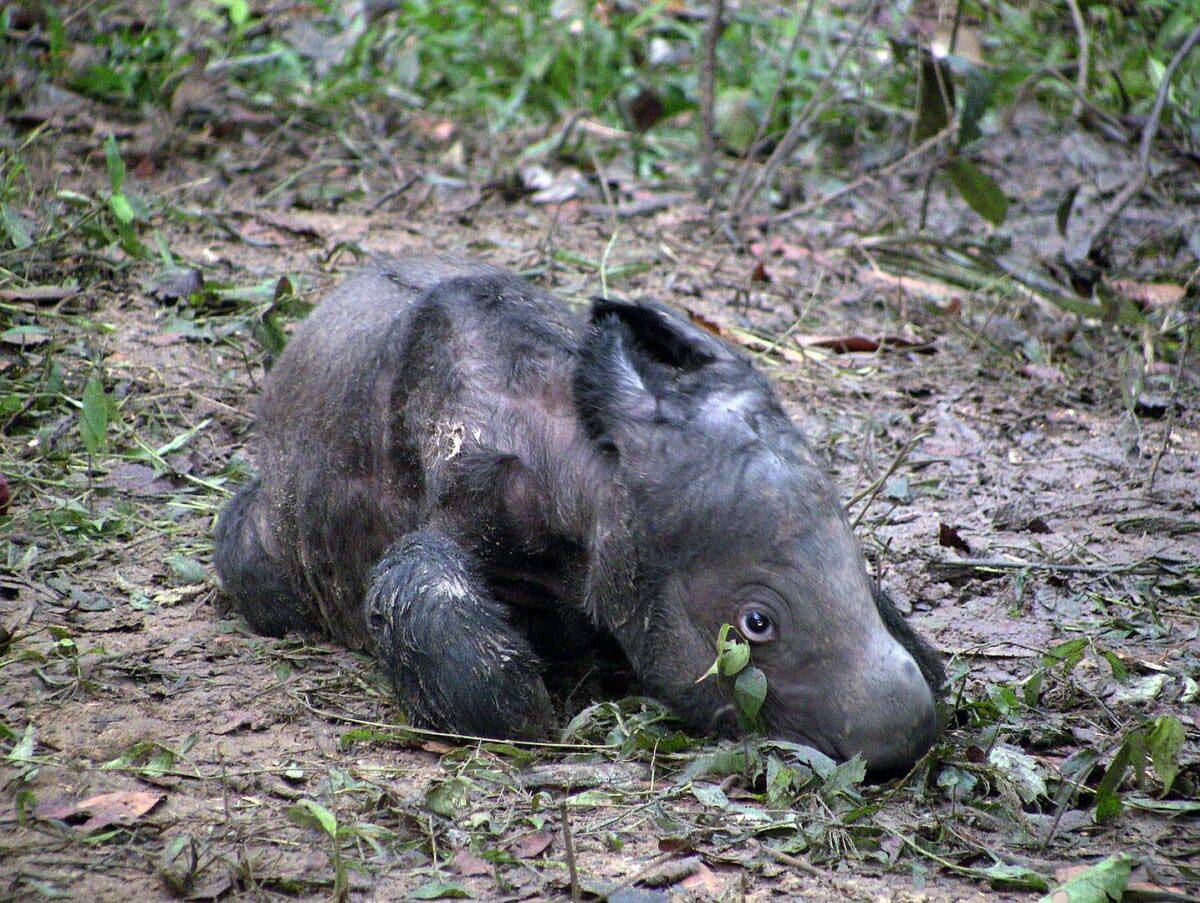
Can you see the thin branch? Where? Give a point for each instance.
(873, 490)
(1183, 353)
(785, 65)
(569, 845)
(795, 133)
(708, 70)
(1082, 79)
(869, 176)
(1079, 251)
(1005, 564)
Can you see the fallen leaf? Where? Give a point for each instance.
(705, 323)
(1151, 294)
(39, 293)
(96, 812)
(911, 284)
(780, 248)
(136, 479)
(532, 845)
(25, 336)
(235, 722)
(1043, 372)
(949, 537)
(440, 131)
(5, 496)
(1099, 883)
(705, 882)
(1019, 769)
(440, 890)
(176, 283)
(469, 865)
(858, 343)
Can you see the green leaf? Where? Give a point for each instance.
(1119, 671)
(1004, 875)
(1019, 770)
(710, 795)
(1108, 803)
(121, 208)
(312, 814)
(981, 91)
(1069, 654)
(1062, 215)
(935, 98)
(24, 748)
(188, 570)
(440, 890)
(721, 763)
(736, 114)
(845, 776)
(93, 418)
(780, 778)
(749, 691)
(1164, 740)
(715, 668)
(1101, 883)
(447, 797)
(981, 192)
(116, 165)
(735, 655)
(16, 227)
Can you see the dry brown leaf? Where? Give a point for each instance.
(38, 293)
(913, 285)
(120, 806)
(706, 883)
(705, 323)
(1043, 372)
(758, 343)
(1151, 294)
(469, 865)
(851, 343)
(532, 844)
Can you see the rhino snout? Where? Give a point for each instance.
(896, 721)
(879, 705)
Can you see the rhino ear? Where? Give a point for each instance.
(634, 357)
(659, 334)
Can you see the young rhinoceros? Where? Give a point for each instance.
(453, 462)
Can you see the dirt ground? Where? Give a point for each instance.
(999, 461)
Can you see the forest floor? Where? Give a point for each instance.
(1035, 509)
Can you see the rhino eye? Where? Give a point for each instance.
(756, 625)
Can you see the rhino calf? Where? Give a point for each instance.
(451, 461)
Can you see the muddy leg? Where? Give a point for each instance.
(252, 579)
(448, 647)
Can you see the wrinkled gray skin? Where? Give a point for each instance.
(453, 463)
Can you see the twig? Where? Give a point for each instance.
(1082, 79)
(983, 564)
(708, 68)
(785, 64)
(394, 193)
(926, 145)
(445, 735)
(791, 139)
(1183, 353)
(942, 74)
(569, 846)
(793, 862)
(873, 490)
(1081, 250)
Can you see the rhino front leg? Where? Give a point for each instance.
(448, 647)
